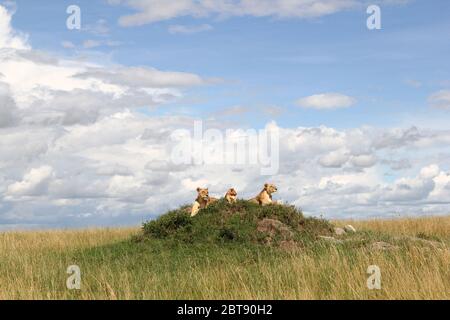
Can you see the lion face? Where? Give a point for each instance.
(270, 188)
(203, 194)
(232, 192)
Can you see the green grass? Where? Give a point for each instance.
(160, 269)
(234, 223)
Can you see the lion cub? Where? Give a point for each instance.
(264, 198)
(203, 201)
(231, 196)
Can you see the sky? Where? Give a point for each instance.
(87, 115)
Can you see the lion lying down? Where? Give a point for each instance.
(204, 200)
(264, 198)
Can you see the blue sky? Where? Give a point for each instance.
(86, 116)
(271, 61)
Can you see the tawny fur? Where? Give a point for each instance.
(203, 201)
(264, 198)
(231, 196)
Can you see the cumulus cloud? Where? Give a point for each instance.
(334, 159)
(430, 172)
(8, 109)
(41, 89)
(76, 151)
(34, 183)
(326, 101)
(121, 166)
(412, 189)
(364, 160)
(143, 77)
(442, 188)
(8, 37)
(150, 11)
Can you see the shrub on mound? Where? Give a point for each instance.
(242, 222)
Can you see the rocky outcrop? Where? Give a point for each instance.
(343, 231)
(275, 229)
(349, 229)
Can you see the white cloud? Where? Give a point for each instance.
(119, 186)
(34, 183)
(364, 161)
(430, 172)
(37, 88)
(442, 188)
(9, 39)
(75, 151)
(326, 101)
(408, 189)
(440, 99)
(143, 76)
(182, 29)
(8, 109)
(335, 159)
(150, 11)
(120, 165)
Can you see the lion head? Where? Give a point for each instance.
(203, 194)
(270, 188)
(232, 192)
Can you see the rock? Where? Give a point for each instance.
(339, 231)
(349, 228)
(381, 245)
(330, 239)
(274, 227)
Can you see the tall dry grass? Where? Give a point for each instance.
(33, 266)
(434, 226)
(33, 263)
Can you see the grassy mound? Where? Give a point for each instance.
(243, 222)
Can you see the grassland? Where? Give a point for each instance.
(121, 264)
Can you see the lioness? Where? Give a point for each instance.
(264, 198)
(231, 196)
(203, 201)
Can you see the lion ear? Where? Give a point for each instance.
(266, 185)
(198, 189)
